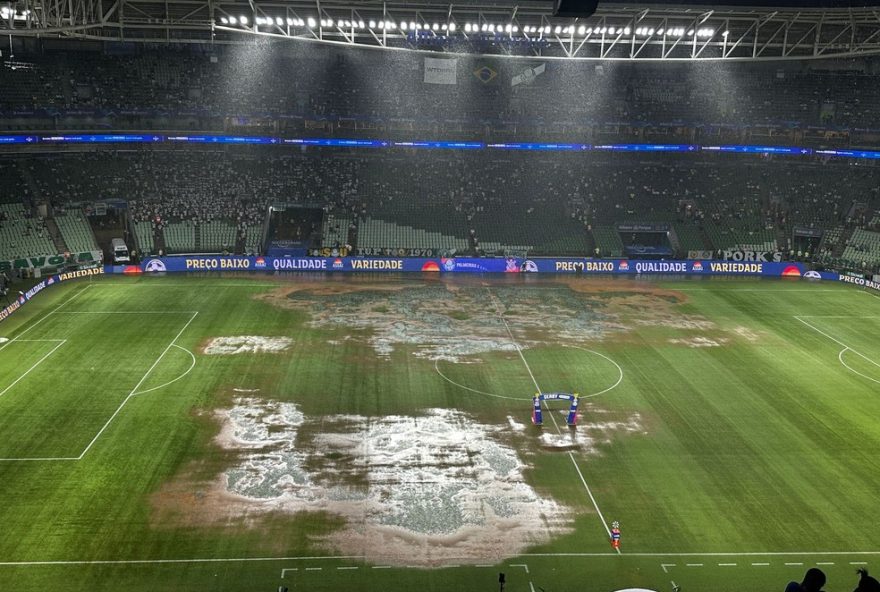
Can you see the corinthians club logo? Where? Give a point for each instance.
(154, 266)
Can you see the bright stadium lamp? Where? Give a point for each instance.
(223, 20)
(452, 27)
(311, 22)
(243, 20)
(372, 24)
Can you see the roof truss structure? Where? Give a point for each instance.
(503, 27)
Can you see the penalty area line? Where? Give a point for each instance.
(32, 368)
(843, 345)
(46, 316)
(138, 385)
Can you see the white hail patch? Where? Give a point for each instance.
(247, 344)
(430, 488)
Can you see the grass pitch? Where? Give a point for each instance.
(732, 434)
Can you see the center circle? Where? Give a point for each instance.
(605, 360)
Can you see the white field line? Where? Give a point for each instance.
(871, 294)
(362, 558)
(160, 284)
(616, 365)
(161, 386)
(665, 565)
(851, 369)
(840, 316)
(137, 386)
(44, 317)
(715, 554)
(473, 390)
(552, 416)
(479, 392)
(31, 369)
(121, 312)
(734, 290)
(174, 561)
(845, 348)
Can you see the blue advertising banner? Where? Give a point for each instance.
(25, 297)
(858, 281)
(199, 263)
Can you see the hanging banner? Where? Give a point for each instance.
(440, 71)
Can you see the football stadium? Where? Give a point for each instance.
(535, 296)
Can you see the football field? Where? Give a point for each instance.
(374, 432)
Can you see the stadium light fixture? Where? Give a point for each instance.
(372, 24)
(452, 27)
(558, 30)
(627, 30)
(435, 26)
(360, 24)
(611, 30)
(311, 22)
(515, 29)
(725, 34)
(279, 21)
(650, 32)
(223, 19)
(243, 20)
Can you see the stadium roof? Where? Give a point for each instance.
(618, 31)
